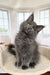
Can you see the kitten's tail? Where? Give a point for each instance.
(11, 49)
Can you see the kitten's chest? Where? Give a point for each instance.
(27, 41)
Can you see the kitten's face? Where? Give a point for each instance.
(30, 27)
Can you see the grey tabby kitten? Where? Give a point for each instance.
(26, 48)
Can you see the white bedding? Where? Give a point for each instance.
(7, 62)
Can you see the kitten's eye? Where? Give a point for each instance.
(32, 29)
(28, 24)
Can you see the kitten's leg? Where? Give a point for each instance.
(17, 59)
(19, 63)
(16, 63)
(34, 61)
(32, 64)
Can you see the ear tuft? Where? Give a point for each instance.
(39, 28)
(31, 18)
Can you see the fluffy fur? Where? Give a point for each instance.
(26, 48)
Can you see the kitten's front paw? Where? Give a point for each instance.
(24, 67)
(19, 64)
(32, 65)
(15, 63)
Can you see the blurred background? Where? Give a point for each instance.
(13, 12)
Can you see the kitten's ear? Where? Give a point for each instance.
(39, 28)
(31, 18)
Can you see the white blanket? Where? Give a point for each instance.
(7, 62)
